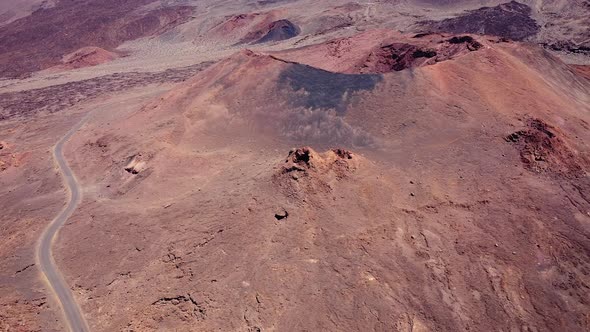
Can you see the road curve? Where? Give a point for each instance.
(72, 314)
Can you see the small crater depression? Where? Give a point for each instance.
(401, 56)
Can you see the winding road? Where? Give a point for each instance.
(73, 315)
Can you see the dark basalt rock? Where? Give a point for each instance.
(509, 20)
(472, 44)
(324, 89)
(424, 54)
(568, 46)
(281, 214)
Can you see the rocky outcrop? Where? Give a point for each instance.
(543, 149)
(398, 56)
(87, 57)
(280, 30)
(275, 31)
(39, 41)
(306, 172)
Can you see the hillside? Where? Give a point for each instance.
(403, 165)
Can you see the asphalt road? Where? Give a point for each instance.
(72, 314)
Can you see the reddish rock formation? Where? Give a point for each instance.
(383, 51)
(542, 148)
(86, 57)
(274, 31)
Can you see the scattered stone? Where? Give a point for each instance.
(472, 44)
(543, 148)
(424, 34)
(131, 170)
(300, 155)
(424, 54)
(135, 164)
(281, 214)
(342, 153)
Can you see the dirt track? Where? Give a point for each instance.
(74, 318)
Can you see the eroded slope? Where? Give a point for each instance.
(458, 199)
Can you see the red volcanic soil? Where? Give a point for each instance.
(463, 204)
(253, 27)
(583, 70)
(399, 56)
(543, 149)
(8, 158)
(382, 51)
(234, 24)
(277, 31)
(379, 182)
(86, 57)
(268, 30)
(40, 40)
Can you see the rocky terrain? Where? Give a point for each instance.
(401, 165)
(509, 20)
(39, 40)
